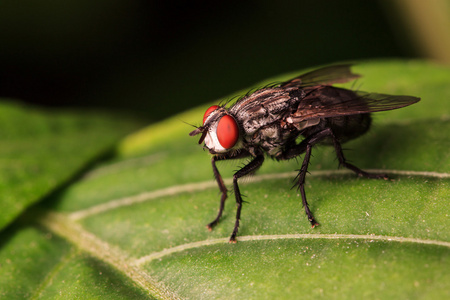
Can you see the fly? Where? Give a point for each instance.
(269, 121)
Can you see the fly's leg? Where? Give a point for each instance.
(301, 184)
(223, 190)
(221, 184)
(247, 169)
(305, 147)
(344, 163)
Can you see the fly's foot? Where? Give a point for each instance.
(233, 237)
(362, 173)
(313, 223)
(211, 225)
(232, 240)
(374, 176)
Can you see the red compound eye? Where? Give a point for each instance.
(227, 132)
(208, 112)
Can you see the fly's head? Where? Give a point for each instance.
(219, 131)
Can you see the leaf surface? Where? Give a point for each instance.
(40, 150)
(135, 226)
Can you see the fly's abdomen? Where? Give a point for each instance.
(346, 128)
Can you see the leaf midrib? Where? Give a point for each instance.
(61, 225)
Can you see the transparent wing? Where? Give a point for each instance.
(323, 76)
(327, 101)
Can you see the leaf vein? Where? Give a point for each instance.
(180, 248)
(199, 186)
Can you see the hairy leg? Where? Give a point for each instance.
(305, 146)
(221, 184)
(247, 169)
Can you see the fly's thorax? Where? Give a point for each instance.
(223, 133)
(262, 108)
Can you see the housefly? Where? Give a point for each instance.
(270, 120)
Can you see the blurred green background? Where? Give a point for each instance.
(155, 58)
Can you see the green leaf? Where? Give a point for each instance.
(135, 226)
(40, 150)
